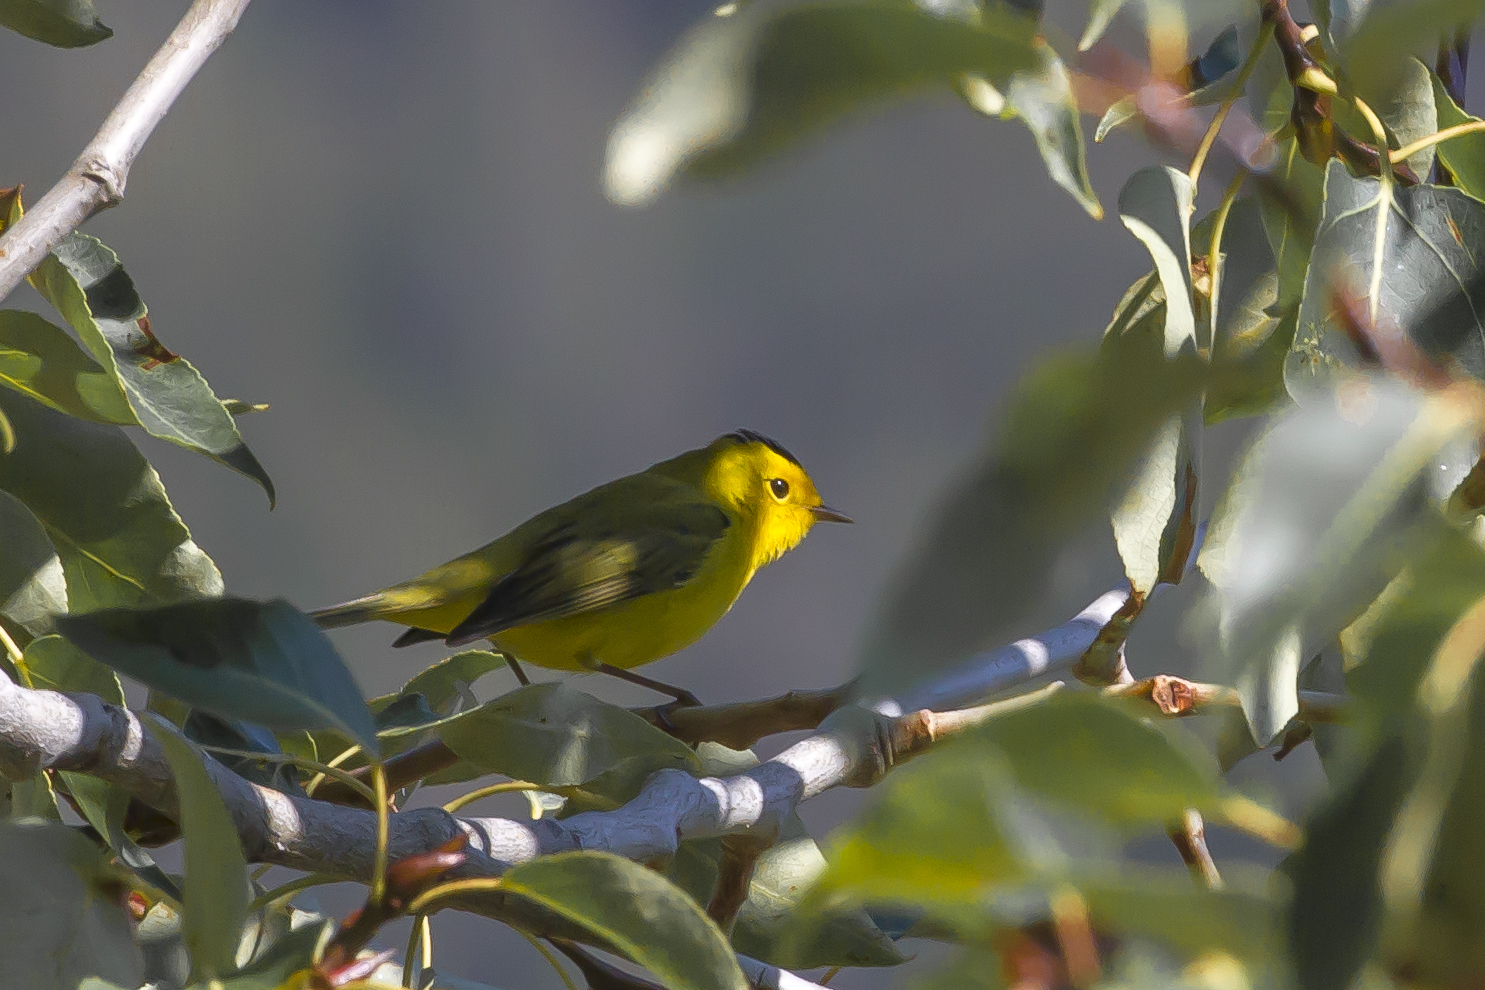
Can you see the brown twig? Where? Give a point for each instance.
(1190, 838)
(1177, 696)
(739, 858)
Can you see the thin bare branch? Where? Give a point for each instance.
(98, 177)
(1190, 838)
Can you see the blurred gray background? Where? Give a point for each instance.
(385, 219)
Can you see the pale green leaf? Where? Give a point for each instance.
(1463, 156)
(1156, 205)
(61, 920)
(39, 360)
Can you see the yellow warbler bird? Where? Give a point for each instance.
(627, 573)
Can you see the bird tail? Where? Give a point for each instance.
(351, 612)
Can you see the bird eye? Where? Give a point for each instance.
(779, 487)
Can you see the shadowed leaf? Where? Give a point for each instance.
(39, 360)
(33, 588)
(1463, 156)
(263, 663)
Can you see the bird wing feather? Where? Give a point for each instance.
(588, 564)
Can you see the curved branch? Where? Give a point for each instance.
(97, 179)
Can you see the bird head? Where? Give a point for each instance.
(769, 484)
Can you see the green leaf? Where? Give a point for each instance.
(1325, 509)
(104, 510)
(1063, 453)
(32, 798)
(738, 87)
(555, 735)
(56, 665)
(636, 912)
(39, 360)
(1100, 757)
(1043, 99)
(33, 588)
(83, 279)
(940, 833)
(262, 662)
(63, 920)
(1463, 156)
(1376, 55)
(1429, 280)
(1290, 220)
(451, 679)
(1156, 205)
(216, 892)
(63, 23)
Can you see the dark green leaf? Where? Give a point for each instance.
(1325, 509)
(1463, 156)
(39, 360)
(635, 911)
(31, 798)
(739, 86)
(83, 279)
(216, 892)
(33, 588)
(63, 23)
(61, 920)
(104, 510)
(556, 735)
(1291, 210)
(264, 663)
(451, 679)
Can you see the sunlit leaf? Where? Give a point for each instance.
(216, 893)
(63, 23)
(1100, 15)
(104, 510)
(635, 911)
(739, 86)
(1156, 205)
(61, 920)
(556, 735)
(39, 360)
(264, 663)
(33, 588)
(1155, 522)
(83, 279)
(1463, 156)
(451, 679)
(1325, 509)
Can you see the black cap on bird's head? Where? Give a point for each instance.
(753, 436)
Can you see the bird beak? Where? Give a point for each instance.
(824, 513)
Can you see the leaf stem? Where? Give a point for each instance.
(290, 889)
(1384, 204)
(1215, 127)
(453, 888)
(309, 789)
(505, 787)
(1214, 253)
(379, 865)
(1437, 137)
(321, 769)
(16, 656)
(421, 936)
(551, 959)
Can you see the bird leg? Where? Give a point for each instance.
(683, 698)
(515, 668)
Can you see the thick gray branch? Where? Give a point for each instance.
(97, 179)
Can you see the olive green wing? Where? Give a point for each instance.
(591, 564)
